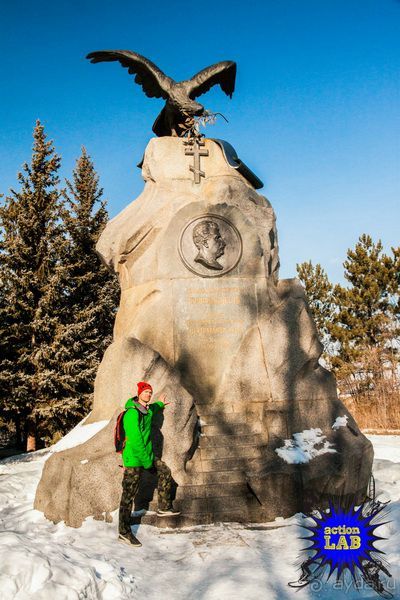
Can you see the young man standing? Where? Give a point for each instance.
(138, 455)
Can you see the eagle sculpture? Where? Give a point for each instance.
(177, 116)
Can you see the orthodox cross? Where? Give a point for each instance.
(194, 148)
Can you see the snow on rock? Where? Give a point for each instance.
(304, 446)
(42, 561)
(340, 422)
(80, 434)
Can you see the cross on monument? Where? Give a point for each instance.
(194, 149)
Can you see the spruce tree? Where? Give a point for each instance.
(30, 289)
(9, 340)
(92, 292)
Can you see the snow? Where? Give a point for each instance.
(340, 422)
(386, 447)
(81, 433)
(303, 447)
(43, 561)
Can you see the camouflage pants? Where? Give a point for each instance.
(130, 486)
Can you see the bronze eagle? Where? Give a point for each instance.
(180, 107)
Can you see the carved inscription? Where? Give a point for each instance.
(211, 317)
(223, 295)
(215, 324)
(214, 328)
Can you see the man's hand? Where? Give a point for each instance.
(163, 399)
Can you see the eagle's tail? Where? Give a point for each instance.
(160, 125)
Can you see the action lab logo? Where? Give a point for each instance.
(344, 534)
(342, 540)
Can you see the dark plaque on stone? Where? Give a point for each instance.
(210, 245)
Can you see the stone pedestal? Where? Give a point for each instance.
(204, 317)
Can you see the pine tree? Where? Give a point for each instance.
(30, 287)
(366, 316)
(360, 323)
(319, 295)
(92, 292)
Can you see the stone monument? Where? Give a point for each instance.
(255, 429)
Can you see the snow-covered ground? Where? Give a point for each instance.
(43, 561)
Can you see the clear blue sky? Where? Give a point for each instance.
(315, 112)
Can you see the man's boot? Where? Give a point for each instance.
(168, 512)
(129, 538)
(125, 533)
(130, 484)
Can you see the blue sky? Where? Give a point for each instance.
(315, 113)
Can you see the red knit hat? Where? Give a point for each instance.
(143, 385)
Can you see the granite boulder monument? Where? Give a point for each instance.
(255, 429)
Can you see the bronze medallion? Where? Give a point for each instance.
(210, 245)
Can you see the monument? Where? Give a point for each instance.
(255, 429)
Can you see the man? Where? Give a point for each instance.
(138, 455)
(209, 243)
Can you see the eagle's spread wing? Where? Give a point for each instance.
(222, 73)
(154, 82)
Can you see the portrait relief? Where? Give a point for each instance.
(210, 245)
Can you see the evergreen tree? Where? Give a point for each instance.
(57, 301)
(360, 323)
(92, 292)
(367, 310)
(9, 346)
(319, 296)
(30, 287)
(366, 315)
